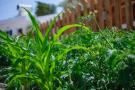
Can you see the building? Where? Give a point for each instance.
(21, 23)
(18, 24)
(15, 26)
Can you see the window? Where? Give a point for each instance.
(9, 32)
(20, 31)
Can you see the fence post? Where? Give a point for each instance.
(85, 6)
(67, 16)
(100, 13)
(44, 27)
(108, 13)
(69, 19)
(63, 19)
(117, 13)
(91, 5)
(78, 11)
(128, 13)
(73, 20)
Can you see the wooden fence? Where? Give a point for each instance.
(110, 13)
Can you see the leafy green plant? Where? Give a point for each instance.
(33, 62)
(101, 67)
(82, 60)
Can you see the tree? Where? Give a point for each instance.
(69, 4)
(44, 9)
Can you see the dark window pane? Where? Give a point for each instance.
(20, 31)
(9, 32)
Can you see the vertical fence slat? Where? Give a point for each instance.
(100, 14)
(128, 13)
(109, 14)
(117, 13)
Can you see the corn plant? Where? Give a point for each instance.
(32, 59)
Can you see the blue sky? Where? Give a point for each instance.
(8, 7)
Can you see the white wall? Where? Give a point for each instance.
(14, 24)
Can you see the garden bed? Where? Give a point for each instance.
(82, 60)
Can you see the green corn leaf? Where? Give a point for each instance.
(70, 49)
(67, 27)
(58, 80)
(117, 59)
(35, 25)
(4, 36)
(52, 67)
(14, 78)
(47, 59)
(49, 29)
(38, 66)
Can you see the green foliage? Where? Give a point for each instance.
(33, 63)
(83, 60)
(102, 67)
(44, 9)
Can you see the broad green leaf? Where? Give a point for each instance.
(36, 26)
(67, 27)
(70, 49)
(49, 29)
(4, 36)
